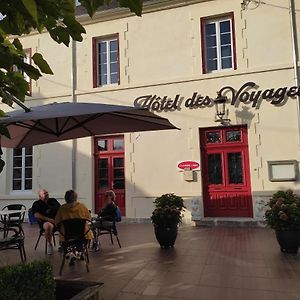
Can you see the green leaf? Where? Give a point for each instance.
(18, 44)
(60, 35)
(2, 113)
(31, 7)
(135, 6)
(2, 165)
(4, 131)
(41, 63)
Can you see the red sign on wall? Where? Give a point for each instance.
(188, 165)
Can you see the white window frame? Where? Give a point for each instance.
(217, 21)
(22, 190)
(108, 74)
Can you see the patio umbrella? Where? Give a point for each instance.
(63, 121)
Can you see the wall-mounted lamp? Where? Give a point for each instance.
(220, 103)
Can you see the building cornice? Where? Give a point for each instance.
(149, 7)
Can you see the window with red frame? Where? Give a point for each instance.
(106, 61)
(218, 43)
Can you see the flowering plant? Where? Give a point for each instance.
(284, 211)
(166, 216)
(170, 200)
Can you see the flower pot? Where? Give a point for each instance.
(166, 236)
(289, 241)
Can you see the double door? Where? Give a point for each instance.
(225, 172)
(110, 171)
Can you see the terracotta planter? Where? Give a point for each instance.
(289, 241)
(166, 236)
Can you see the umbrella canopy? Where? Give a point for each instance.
(63, 121)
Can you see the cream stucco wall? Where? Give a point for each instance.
(160, 54)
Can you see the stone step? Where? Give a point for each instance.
(230, 222)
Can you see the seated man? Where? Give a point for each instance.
(106, 216)
(45, 210)
(73, 210)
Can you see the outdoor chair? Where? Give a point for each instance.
(107, 227)
(75, 242)
(13, 220)
(42, 233)
(13, 240)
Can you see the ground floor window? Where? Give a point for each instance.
(22, 169)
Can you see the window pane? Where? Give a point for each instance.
(118, 144)
(103, 79)
(227, 63)
(119, 184)
(211, 53)
(118, 173)
(215, 174)
(211, 41)
(28, 184)
(225, 51)
(17, 185)
(17, 173)
(213, 137)
(210, 29)
(226, 39)
(17, 152)
(114, 68)
(28, 161)
(113, 56)
(212, 65)
(17, 162)
(119, 162)
(113, 45)
(103, 168)
(235, 168)
(28, 151)
(28, 173)
(103, 58)
(102, 47)
(103, 184)
(225, 26)
(114, 78)
(102, 145)
(233, 136)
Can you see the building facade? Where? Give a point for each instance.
(173, 60)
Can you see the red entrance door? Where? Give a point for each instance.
(109, 160)
(225, 172)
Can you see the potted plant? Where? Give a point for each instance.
(166, 217)
(283, 216)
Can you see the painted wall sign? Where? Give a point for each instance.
(188, 164)
(248, 93)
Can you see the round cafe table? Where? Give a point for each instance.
(8, 222)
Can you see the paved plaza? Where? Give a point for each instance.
(206, 263)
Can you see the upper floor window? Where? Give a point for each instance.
(218, 43)
(106, 61)
(22, 169)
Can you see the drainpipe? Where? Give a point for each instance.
(74, 100)
(293, 24)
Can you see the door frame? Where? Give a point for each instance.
(227, 147)
(96, 156)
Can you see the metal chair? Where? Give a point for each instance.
(15, 240)
(42, 233)
(107, 227)
(13, 220)
(74, 232)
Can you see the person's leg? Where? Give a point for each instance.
(48, 227)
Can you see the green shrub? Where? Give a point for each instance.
(30, 281)
(169, 200)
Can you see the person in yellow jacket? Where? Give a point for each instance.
(73, 210)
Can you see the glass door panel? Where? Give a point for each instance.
(103, 174)
(235, 168)
(118, 173)
(215, 172)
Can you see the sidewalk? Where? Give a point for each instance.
(206, 263)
